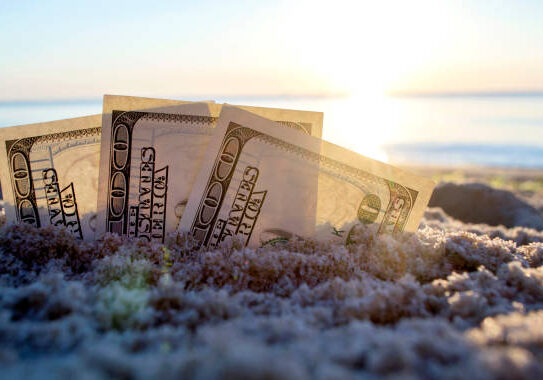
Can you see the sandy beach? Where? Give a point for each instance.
(461, 298)
(111, 119)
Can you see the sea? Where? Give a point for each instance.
(450, 130)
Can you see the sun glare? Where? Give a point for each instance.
(363, 48)
(362, 123)
(366, 52)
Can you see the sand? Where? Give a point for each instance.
(461, 298)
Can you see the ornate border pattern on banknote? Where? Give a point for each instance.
(401, 198)
(18, 152)
(122, 130)
(302, 127)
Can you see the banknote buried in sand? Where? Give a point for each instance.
(149, 167)
(265, 183)
(50, 171)
(150, 158)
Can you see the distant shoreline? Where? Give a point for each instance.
(469, 94)
(193, 97)
(256, 97)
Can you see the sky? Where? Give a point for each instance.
(71, 50)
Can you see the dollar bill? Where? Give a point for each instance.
(150, 155)
(49, 173)
(264, 183)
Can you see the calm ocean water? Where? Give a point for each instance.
(497, 130)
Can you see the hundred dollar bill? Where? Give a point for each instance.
(150, 155)
(49, 173)
(264, 183)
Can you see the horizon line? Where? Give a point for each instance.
(200, 97)
(194, 97)
(468, 94)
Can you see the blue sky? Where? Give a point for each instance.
(83, 49)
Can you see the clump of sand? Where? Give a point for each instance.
(453, 300)
(480, 203)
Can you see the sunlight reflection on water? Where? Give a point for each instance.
(395, 129)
